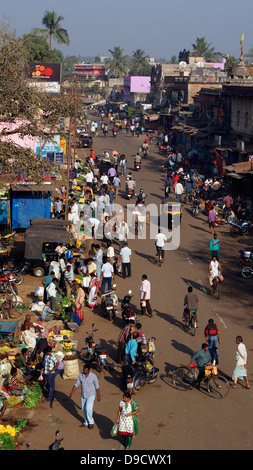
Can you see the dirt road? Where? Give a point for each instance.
(169, 419)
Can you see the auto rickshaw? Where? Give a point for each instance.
(41, 239)
(173, 208)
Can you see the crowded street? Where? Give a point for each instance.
(168, 418)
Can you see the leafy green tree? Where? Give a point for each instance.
(117, 66)
(231, 61)
(202, 47)
(52, 28)
(38, 50)
(25, 111)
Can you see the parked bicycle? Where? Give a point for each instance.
(185, 378)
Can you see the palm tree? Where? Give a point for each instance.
(139, 60)
(203, 48)
(117, 65)
(53, 29)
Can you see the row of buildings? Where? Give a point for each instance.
(207, 107)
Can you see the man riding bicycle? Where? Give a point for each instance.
(160, 240)
(214, 272)
(191, 304)
(202, 358)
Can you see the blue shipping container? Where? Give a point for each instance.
(29, 205)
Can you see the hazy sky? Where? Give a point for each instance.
(160, 27)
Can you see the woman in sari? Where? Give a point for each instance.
(79, 302)
(127, 419)
(93, 291)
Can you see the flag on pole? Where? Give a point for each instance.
(242, 39)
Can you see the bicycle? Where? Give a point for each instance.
(191, 321)
(185, 378)
(160, 255)
(215, 285)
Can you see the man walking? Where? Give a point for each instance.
(215, 246)
(126, 260)
(145, 294)
(89, 390)
(212, 335)
(107, 272)
(179, 189)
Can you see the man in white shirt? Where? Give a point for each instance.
(51, 293)
(104, 180)
(126, 260)
(179, 189)
(107, 272)
(89, 177)
(145, 294)
(122, 234)
(160, 240)
(94, 225)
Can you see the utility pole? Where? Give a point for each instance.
(68, 164)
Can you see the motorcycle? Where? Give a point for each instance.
(242, 228)
(17, 271)
(8, 239)
(8, 283)
(56, 444)
(137, 166)
(109, 302)
(196, 207)
(247, 272)
(163, 148)
(127, 311)
(129, 193)
(245, 258)
(93, 353)
(143, 371)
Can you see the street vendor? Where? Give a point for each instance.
(47, 312)
(74, 322)
(13, 386)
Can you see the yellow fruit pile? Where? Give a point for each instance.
(8, 429)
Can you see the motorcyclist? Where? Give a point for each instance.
(141, 197)
(137, 159)
(130, 184)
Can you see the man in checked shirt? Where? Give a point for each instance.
(51, 364)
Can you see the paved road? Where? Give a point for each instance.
(169, 419)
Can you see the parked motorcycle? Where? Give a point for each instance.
(241, 228)
(109, 302)
(8, 239)
(247, 272)
(17, 271)
(245, 258)
(93, 353)
(163, 148)
(57, 442)
(127, 311)
(196, 207)
(143, 371)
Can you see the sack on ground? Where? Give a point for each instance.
(71, 369)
